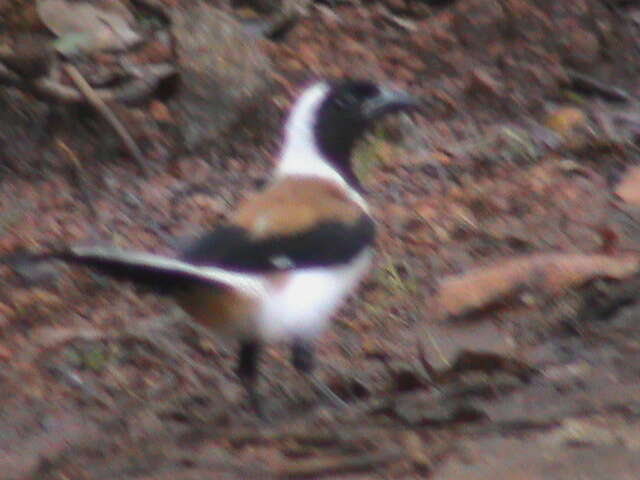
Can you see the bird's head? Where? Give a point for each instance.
(330, 117)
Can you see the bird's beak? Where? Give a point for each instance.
(389, 101)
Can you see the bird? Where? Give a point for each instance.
(283, 261)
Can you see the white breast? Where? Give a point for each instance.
(303, 306)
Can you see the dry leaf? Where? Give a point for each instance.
(102, 26)
(549, 273)
(629, 187)
(5, 353)
(566, 120)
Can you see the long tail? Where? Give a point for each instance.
(158, 273)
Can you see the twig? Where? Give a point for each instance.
(79, 177)
(321, 467)
(91, 96)
(589, 84)
(396, 21)
(426, 364)
(47, 89)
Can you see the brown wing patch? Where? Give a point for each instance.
(218, 310)
(295, 205)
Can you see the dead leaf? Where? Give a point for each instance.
(629, 187)
(548, 273)
(5, 312)
(160, 112)
(416, 450)
(565, 120)
(5, 353)
(443, 343)
(91, 27)
(488, 362)
(582, 432)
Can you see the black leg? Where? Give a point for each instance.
(302, 356)
(248, 373)
(303, 359)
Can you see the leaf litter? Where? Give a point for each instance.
(530, 204)
(89, 26)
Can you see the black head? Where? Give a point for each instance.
(349, 107)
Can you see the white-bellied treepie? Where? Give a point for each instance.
(286, 258)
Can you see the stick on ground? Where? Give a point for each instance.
(88, 91)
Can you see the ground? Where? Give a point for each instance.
(497, 335)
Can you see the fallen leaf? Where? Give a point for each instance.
(5, 353)
(565, 120)
(89, 27)
(582, 432)
(72, 43)
(416, 450)
(483, 83)
(160, 112)
(629, 187)
(5, 312)
(548, 273)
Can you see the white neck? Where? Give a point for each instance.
(300, 154)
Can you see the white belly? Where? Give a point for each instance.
(303, 306)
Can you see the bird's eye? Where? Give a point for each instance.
(347, 100)
(365, 90)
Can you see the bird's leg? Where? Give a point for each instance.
(303, 359)
(248, 373)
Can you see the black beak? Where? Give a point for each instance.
(389, 101)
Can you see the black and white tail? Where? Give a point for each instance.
(158, 273)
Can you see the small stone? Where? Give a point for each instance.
(582, 432)
(629, 187)
(154, 52)
(405, 377)
(396, 5)
(223, 71)
(160, 112)
(374, 350)
(482, 82)
(418, 412)
(581, 49)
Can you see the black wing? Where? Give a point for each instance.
(328, 243)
